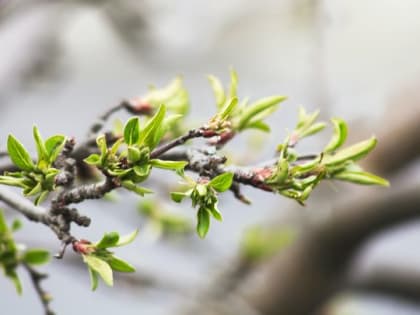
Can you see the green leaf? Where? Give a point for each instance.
(127, 239)
(233, 88)
(101, 142)
(339, 137)
(258, 107)
(13, 181)
(16, 225)
(315, 128)
(229, 108)
(19, 155)
(142, 170)
(201, 190)
(11, 274)
(54, 145)
(363, 178)
(128, 184)
(93, 159)
(116, 146)
(354, 152)
(168, 165)
(260, 125)
(36, 256)
(215, 213)
(120, 265)
(203, 222)
(222, 182)
(178, 196)
(93, 275)
(3, 225)
(41, 197)
(132, 131)
(218, 90)
(134, 154)
(35, 190)
(101, 267)
(108, 240)
(40, 146)
(151, 135)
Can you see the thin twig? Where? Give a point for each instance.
(194, 133)
(44, 296)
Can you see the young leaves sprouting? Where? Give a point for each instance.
(204, 196)
(100, 261)
(35, 179)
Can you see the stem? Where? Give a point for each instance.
(36, 278)
(194, 133)
(22, 205)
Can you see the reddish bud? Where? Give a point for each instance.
(83, 247)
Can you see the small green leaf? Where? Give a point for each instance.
(93, 159)
(257, 108)
(260, 125)
(203, 222)
(116, 146)
(315, 128)
(13, 181)
(216, 213)
(133, 154)
(363, 178)
(168, 165)
(101, 142)
(16, 225)
(339, 137)
(3, 224)
(222, 182)
(40, 146)
(101, 267)
(178, 196)
(151, 135)
(41, 197)
(54, 145)
(11, 274)
(281, 173)
(19, 155)
(120, 265)
(127, 239)
(229, 108)
(233, 88)
(93, 275)
(353, 153)
(218, 90)
(128, 184)
(142, 170)
(132, 131)
(108, 240)
(36, 256)
(201, 189)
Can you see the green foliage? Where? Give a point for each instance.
(35, 179)
(132, 165)
(296, 180)
(204, 196)
(174, 96)
(261, 243)
(235, 116)
(11, 257)
(163, 221)
(101, 262)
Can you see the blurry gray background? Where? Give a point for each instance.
(63, 64)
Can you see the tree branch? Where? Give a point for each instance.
(36, 278)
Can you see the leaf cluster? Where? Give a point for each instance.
(204, 196)
(36, 179)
